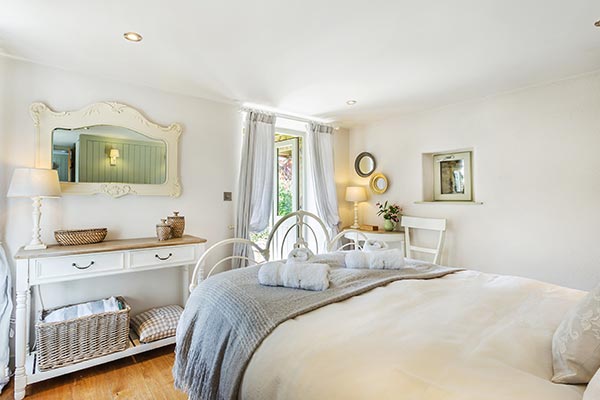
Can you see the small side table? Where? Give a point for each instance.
(394, 239)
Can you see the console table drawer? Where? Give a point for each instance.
(163, 255)
(88, 264)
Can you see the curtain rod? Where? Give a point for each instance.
(286, 115)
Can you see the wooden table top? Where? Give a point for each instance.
(56, 250)
(377, 231)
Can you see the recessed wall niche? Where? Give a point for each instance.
(448, 177)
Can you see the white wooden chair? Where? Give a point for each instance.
(430, 224)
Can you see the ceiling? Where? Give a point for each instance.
(311, 56)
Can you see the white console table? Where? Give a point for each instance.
(67, 263)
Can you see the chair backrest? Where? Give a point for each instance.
(430, 224)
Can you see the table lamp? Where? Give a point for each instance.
(35, 183)
(356, 194)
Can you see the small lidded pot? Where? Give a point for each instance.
(163, 230)
(177, 224)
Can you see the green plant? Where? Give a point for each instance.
(284, 202)
(389, 211)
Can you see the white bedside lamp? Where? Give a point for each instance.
(35, 183)
(356, 194)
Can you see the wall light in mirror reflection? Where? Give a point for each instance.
(108, 154)
(113, 155)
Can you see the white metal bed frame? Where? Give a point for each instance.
(302, 226)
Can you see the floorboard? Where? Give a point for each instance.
(141, 377)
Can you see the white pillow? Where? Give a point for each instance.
(593, 389)
(576, 342)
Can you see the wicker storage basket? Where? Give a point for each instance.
(68, 342)
(79, 237)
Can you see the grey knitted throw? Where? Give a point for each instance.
(230, 314)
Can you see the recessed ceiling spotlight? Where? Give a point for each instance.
(132, 36)
(351, 102)
(597, 23)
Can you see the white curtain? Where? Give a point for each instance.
(321, 167)
(255, 192)
(6, 307)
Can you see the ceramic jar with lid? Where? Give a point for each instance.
(177, 224)
(163, 230)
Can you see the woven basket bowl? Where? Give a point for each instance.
(79, 237)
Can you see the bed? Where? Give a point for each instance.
(459, 335)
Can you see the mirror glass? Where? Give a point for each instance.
(452, 176)
(364, 164)
(108, 154)
(380, 183)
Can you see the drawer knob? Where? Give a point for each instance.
(163, 258)
(85, 267)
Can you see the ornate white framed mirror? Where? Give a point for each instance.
(108, 148)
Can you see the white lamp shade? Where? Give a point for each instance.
(356, 193)
(114, 153)
(34, 182)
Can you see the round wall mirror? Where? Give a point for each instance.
(364, 164)
(379, 183)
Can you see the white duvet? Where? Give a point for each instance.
(468, 335)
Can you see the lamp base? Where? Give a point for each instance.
(355, 226)
(36, 241)
(41, 246)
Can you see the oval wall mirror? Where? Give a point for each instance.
(364, 164)
(379, 183)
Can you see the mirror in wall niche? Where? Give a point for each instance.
(364, 164)
(108, 148)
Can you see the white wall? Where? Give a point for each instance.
(209, 153)
(536, 167)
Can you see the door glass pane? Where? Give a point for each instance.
(285, 180)
(452, 177)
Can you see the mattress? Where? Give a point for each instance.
(468, 335)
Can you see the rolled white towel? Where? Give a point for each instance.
(306, 276)
(357, 259)
(296, 275)
(301, 254)
(384, 259)
(269, 274)
(374, 245)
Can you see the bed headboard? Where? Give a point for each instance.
(310, 232)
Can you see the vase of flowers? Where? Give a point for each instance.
(390, 213)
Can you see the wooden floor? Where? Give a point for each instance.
(145, 376)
